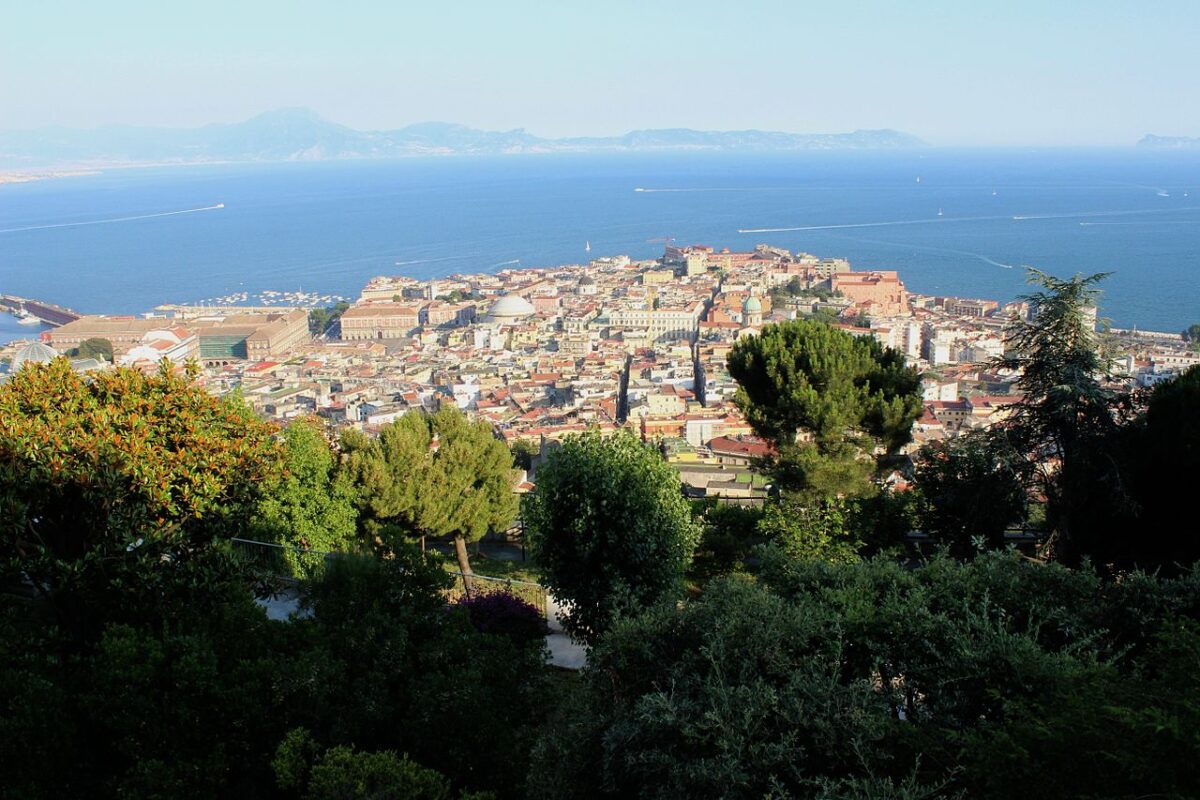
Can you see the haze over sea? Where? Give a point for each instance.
(111, 243)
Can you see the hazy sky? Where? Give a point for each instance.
(966, 72)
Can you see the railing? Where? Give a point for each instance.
(532, 593)
(275, 566)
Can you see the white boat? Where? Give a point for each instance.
(939, 212)
(25, 318)
(587, 246)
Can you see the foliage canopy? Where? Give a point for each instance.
(610, 529)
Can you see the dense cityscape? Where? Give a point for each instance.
(544, 353)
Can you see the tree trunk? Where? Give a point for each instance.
(464, 564)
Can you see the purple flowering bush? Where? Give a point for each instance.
(505, 614)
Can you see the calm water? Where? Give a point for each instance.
(329, 227)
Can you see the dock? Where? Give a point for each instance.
(48, 313)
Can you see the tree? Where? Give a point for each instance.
(346, 774)
(434, 475)
(820, 530)
(729, 533)
(1067, 410)
(524, 451)
(1192, 333)
(972, 679)
(385, 665)
(1159, 456)
(121, 470)
(736, 695)
(610, 529)
(320, 320)
(310, 505)
(973, 487)
(98, 348)
(848, 392)
(806, 376)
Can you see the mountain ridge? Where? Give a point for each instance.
(295, 134)
(1152, 141)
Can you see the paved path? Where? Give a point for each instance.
(563, 652)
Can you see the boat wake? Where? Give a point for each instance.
(927, 248)
(948, 220)
(217, 207)
(930, 221)
(507, 263)
(716, 189)
(1147, 222)
(1088, 214)
(429, 260)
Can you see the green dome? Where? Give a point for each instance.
(752, 305)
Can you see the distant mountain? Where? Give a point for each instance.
(1151, 141)
(296, 134)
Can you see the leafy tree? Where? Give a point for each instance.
(806, 376)
(1192, 333)
(434, 475)
(320, 320)
(310, 505)
(385, 665)
(523, 452)
(1158, 456)
(737, 695)
(610, 529)
(879, 679)
(1067, 411)
(820, 530)
(121, 471)
(810, 473)
(728, 535)
(973, 487)
(343, 773)
(96, 347)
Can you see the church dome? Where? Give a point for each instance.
(510, 307)
(752, 305)
(587, 280)
(33, 353)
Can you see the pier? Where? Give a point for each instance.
(48, 313)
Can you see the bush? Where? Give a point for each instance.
(504, 614)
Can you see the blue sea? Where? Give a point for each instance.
(952, 222)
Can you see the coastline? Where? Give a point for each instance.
(12, 177)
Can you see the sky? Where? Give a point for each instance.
(962, 73)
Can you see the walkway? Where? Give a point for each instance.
(564, 652)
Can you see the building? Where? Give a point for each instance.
(665, 323)
(970, 308)
(176, 344)
(883, 289)
(250, 336)
(383, 320)
(122, 332)
(510, 309)
(752, 312)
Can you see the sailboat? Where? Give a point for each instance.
(939, 212)
(587, 247)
